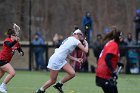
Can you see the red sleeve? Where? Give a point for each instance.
(7, 39)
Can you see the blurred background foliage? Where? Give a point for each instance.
(60, 16)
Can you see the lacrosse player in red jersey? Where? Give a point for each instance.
(10, 45)
(107, 63)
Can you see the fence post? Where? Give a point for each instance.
(30, 57)
(47, 54)
(30, 24)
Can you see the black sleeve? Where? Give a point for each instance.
(108, 61)
(10, 44)
(19, 49)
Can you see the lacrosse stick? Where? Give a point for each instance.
(16, 29)
(113, 80)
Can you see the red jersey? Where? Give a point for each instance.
(102, 69)
(78, 53)
(7, 52)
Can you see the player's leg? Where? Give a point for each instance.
(115, 89)
(1, 73)
(11, 73)
(70, 74)
(41, 60)
(105, 90)
(51, 81)
(2, 89)
(124, 62)
(2, 63)
(10, 70)
(110, 89)
(36, 61)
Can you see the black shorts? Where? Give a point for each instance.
(100, 81)
(105, 85)
(2, 62)
(104, 82)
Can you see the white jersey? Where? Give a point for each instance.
(58, 59)
(67, 46)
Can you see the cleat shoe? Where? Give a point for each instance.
(39, 91)
(3, 90)
(58, 86)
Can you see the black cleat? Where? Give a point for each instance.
(39, 91)
(58, 86)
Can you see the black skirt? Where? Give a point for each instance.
(2, 62)
(101, 82)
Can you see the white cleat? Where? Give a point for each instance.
(3, 90)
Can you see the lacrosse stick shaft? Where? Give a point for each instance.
(119, 69)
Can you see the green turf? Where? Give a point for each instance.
(28, 82)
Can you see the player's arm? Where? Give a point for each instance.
(10, 44)
(108, 58)
(82, 47)
(75, 59)
(19, 49)
(109, 64)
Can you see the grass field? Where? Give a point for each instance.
(28, 82)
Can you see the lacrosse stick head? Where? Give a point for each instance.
(112, 81)
(16, 29)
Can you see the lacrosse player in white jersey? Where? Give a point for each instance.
(58, 61)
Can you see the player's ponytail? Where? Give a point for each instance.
(108, 37)
(114, 34)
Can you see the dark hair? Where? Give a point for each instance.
(114, 34)
(76, 27)
(10, 32)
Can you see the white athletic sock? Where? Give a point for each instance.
(42, 89)
(3, 84)
(60, 82)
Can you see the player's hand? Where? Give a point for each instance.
(18, 39)
(114, 75)
(120, 64)
(85, 42)
(15, 38)
(80, 60)
(112, 82)
(22, 53)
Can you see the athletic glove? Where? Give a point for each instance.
(112, 82)
(21, 53)
(120, 64)
(114, 75)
